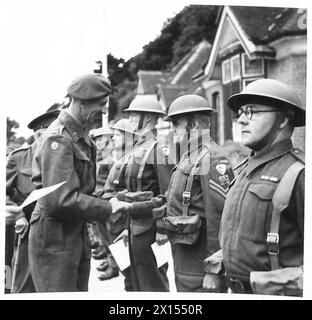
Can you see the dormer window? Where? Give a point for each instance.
(240, 67)
(226, 71)
(231, 69)
(252, 68)
(235, 67)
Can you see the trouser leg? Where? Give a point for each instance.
(149, 277)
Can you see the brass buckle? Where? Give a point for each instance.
(272, 242)
(186, 198)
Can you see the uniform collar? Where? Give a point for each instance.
(275, 151)
(73, 127)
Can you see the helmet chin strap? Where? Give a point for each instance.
(267, 143)
(141, 121)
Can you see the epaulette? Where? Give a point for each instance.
(298, 154)
(241, 164)
(19, 149)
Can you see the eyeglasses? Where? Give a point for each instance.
(249, 112)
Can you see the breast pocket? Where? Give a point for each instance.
(257, 211)
(82, 162)
(25, 184)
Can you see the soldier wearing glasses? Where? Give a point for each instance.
(268, 111)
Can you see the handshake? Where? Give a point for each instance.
(118, 205)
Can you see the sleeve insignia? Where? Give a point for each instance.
(221, 168)
(54, 145)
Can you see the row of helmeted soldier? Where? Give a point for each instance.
(145, 181)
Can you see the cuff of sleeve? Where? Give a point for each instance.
(20, 215)
(160, 226)
(107, 211)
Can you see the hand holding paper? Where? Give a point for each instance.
(119, 205)
(161, 253)
(121, 254)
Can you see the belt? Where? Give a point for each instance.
(238, 286)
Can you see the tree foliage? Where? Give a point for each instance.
(178, 36)
(11, 125)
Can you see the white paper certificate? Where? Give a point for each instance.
(121, 254)
(162, 253)
(39, 193)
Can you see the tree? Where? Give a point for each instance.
(11, 125)
(178, 36)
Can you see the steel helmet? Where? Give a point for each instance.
(270, 92)
(188, 103)
(103, 131)
(145, 103)
(122, 125)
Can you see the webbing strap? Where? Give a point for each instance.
(280, 202)
(142, 166)
(186, 196)
(116, 181)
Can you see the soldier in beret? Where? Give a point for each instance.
(59, 251)
(18, 187)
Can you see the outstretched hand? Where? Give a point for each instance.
(119, 205)
(161, 238)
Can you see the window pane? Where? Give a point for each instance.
(226, 71)
(252, 67)
(236, 67)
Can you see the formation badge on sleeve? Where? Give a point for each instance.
(221, 168)
(54, 145)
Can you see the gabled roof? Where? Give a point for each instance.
(265, 24)
(255, 28)
(167, 93)
(191, 65)
(148, 80)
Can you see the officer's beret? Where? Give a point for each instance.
(44, 120)
(89, 86)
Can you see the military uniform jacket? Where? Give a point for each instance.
(18, 177)
(247, 213)
(66, 153)
(208, 191)
(155, 169)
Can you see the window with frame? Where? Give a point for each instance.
(235, 67)
(252, 67)
(226, 71)
(216, 100)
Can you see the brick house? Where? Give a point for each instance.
(253, 43)
(250, 43)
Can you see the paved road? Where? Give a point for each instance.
(117, 284)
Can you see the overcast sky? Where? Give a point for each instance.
(46, 43)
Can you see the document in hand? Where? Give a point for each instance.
(162, 253)
(121, 254)
(40, 193)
